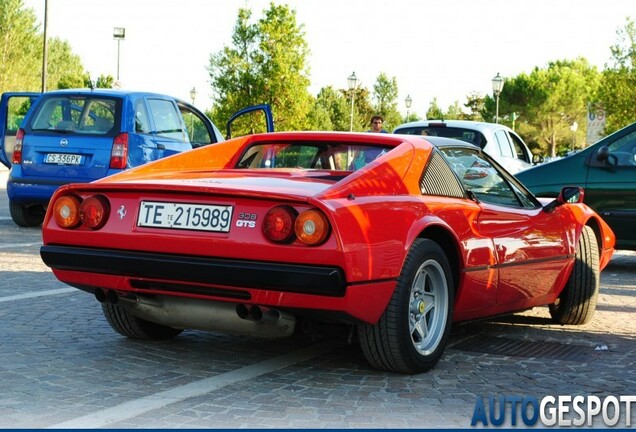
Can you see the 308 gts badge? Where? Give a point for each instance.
(246, 220)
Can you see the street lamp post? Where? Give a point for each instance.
(497, 86)
(193, 96)
(44, 46)
(352, 81)
(408, 101)
(119, 34)
(573, 127)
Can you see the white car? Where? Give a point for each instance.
(499, 141)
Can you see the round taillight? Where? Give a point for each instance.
(278, 225)
(66, 211)
(94, 211)
(312, 227)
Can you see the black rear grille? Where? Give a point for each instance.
(190, 289)
(440, 180)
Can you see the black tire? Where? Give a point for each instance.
(27, 216)
(577, 302)
(132, 327)
(412, 334)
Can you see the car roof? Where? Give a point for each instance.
(442, 142)
(358, 137)
(104, 92)
(468, 124)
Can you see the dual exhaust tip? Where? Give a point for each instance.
(251, 313)
(256, 313)
(106, 296)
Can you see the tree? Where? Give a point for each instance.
(334, 105)
(475, 104)
(267, 63)
(363, 110)
(618, 90)
(385, 93)
(19, 46)
(64, 69)
(434, 111)
(105, 81)
(455, 112)
(549, 101)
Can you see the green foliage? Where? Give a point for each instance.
(385, 93)
(331, 110)
(64, 69)
(21, 47)
(455, 112)
(105, 81)
(363, 110)
(434, 111)
(476, 105)
(618, 92)
(267, 63)
(20, 63)
(548, 101)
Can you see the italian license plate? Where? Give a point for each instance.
(63, 159)
(199, 217)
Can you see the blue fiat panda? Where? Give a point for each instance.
(77, 136)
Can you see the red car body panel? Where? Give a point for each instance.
(506, 260)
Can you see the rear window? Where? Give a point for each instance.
(468, 135)
(331, 156)
(90, 115)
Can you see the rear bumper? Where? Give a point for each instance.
(23, 192)
(306, 279)
(317, 291)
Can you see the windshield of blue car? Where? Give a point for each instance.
(468, 135)
(325, 156)
(76, 114)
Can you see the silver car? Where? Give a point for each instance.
(499, 141)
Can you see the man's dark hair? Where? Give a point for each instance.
(377, 117)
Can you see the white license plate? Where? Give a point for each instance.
(63, 159)
(198, 217)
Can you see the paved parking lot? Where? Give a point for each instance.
(62, 366)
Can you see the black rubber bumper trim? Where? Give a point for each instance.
(306, 279)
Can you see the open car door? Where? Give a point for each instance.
(13, 108)
(267, 113)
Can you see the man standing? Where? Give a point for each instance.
(376, 124)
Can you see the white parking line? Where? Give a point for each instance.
(37, 294)
(17, 245)
(159, 400)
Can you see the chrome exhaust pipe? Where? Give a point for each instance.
(186, 313)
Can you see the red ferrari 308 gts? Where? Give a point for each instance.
(396, 236)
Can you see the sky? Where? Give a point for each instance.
(444, 49)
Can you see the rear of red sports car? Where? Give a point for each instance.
(250, 235)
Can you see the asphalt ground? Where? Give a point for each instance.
(62, 366)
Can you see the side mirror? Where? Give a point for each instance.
(569, 194)
(537, 159)
(604, 155)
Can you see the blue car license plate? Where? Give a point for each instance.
(63, 159)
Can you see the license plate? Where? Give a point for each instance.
(63, 159)
(199, 217)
